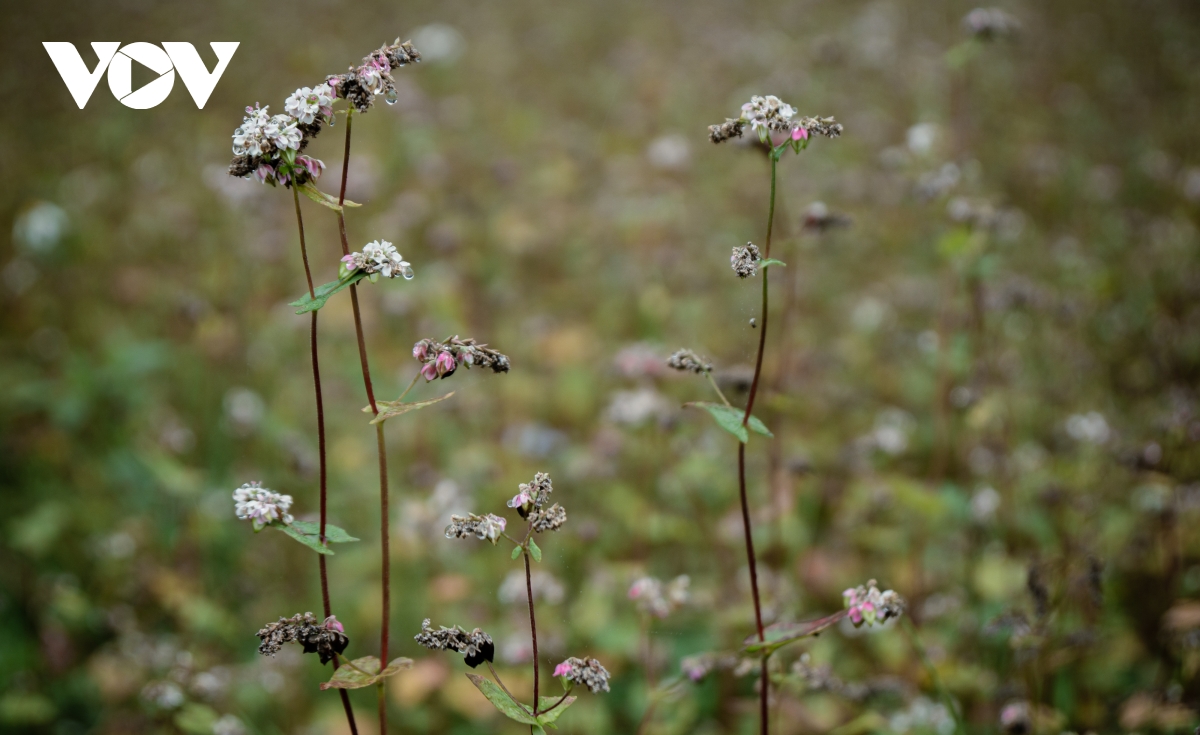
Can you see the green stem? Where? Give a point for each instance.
(713, 383)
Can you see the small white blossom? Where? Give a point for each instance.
(307, 103)
(283, 132)
(261, 506)
(251, 139)
(768, 112)
(379, 256)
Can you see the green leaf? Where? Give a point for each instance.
(730, 419)
(311, 541)
(310, 190)
(501, 701)
(517, 552)
(770, 262)
(549, 718)
(388, 409)
(534, 551)
(364, 672)
(780, 634)
(332, 532)
(324, 291)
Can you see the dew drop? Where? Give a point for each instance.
(390, 95)
(407, 272)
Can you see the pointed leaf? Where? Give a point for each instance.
(517, 552)
(534, 551)
(730, 419)
(311, 542)
(549, 718)
(501, 701)
(324, 291)
(758, 427)
(395, 667)
(770, 262)
(362, 673)
(332, 532)
(310, 190)
(780, 634)
(388, 409)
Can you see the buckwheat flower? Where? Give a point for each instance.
(549, 519)
(307, 103)
(586, 671)
(313, 166)
(532, 495)
(488, 527)
(378, 256)
(729, 129)
(283, 133)
(825, 126)
(685, 360)
(261, 506)
(744, 261)
(866, 604)
(264, 173)
(476, 646)
(446, 364)
(768, 112)
(442, 358)
(326, 639)
(250, 139)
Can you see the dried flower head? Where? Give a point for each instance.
(548, 519)
(488, 527)
(373, 76)
(255, 503)
(770, 115)
(744, 261)
(825, 126)
(325, 639)
(866, 604)
(988, 24)
(532, 495)
(586, 671)
(476, 646)
(655, 598)
(729, 129)
(378, 256)
(768, 112)
(687, 360)
(443, 358)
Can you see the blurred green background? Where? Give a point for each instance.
(983, 390)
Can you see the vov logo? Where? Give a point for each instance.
(118, 60)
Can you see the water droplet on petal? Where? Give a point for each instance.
(407, 272)
(390, 96)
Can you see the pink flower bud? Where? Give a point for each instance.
(263, 172)
(445, 364)
(800, 133)
(562, 669)
(333, 623)
(429, 372)
(855, 615)
(420, 349)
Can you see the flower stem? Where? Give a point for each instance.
(532, 628)
(316, 368)
(758, 363)
(713, 383)
(385, 581)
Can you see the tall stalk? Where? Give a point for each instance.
(746, 527)
(385, 556)
(316, 368)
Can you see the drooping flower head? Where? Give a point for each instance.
(325, 639)
(481, 527)
(257, 504)
(476, 646)
(686, 360)
(441, 359)
(585, 671)
(866, 604)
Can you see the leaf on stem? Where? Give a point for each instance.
(770, 262)
(780, 634)
(322, 293)
(730, 419)
(501, 701)
(517, 552)
(534, 551)
(312, 541)
(310, 190)
(332, 532)
(548, 718)
(363, 672)
(388, 409)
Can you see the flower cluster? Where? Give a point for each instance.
(443, 358)
(532, 495)
(658, 599)
(586, 671)
(268, 147)
(866, 604)
(744, 261)
(325, 639)
(261, 506)
(767, 115)
(377, 256)
(476, 646)
(373, 77)
(990, 23)
(685, 360)
(481, 527)
(548, 519)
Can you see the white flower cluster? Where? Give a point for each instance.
(307, 103)
(481, 527)
(261, 506)
(262, 134)
(379, 256)
(768, 112)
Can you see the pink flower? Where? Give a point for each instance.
(855, 615)
(562, 669)
(520, 500)
(349, 261)
(333, 623)
(445, 364)
(312, 165)
(800, 133)
(420, 349)
(429, 371)
(264, 172)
